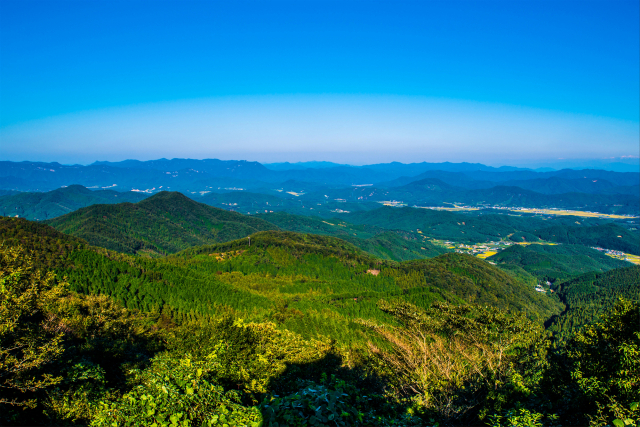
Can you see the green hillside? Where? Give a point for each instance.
(393, 245)
(590, 295)
(164, 223)
(51, 246)
(290, 328)
(483, 226)
(553, 262)
(608, 236)
(324, 277)
(41, 206)
(437, 224)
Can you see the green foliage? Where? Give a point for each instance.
(436, 224)
(50, 248)
(310, 284)
(462, 362)
(523, 236)
(250, 355)
(314, 405)
(303, 329)
(553, 262)
(603, 360)
(29, 340)
(393, 245)
(519, 273)
(609, 236)
(590, 295)
(42, 206)
(177, 392)
(476, 281)
(59, 351)
(164, 223)
(522, 417)
(332, 402)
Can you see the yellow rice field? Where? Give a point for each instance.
(574, 213)
(486, 254)
(536, 243)
(635, 259)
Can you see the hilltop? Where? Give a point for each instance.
(163, 223)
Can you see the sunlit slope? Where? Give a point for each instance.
(307, 283)
(466, 277)
(164, 223)
(396, 245)
(552, 262)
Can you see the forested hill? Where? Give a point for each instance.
(296, 244)
(608, 236)
(256, 333)
(553, 262)
(590, 295)
(468, 278)
(164, 223)
(396, 245)
(313, 284)
(42, 206)
(51, 246)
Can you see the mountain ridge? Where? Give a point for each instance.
(163, 223)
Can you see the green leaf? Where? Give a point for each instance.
(618, 423)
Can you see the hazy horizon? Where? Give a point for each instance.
(525, 84)
(612, 164)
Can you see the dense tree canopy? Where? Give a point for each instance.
(302, 329)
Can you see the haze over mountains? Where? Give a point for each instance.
(337, 187)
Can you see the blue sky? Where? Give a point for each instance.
(355, 82)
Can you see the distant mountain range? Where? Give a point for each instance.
(365, 220)
(325, 188)
(201, 174)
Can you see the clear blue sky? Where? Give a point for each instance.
(69, 65)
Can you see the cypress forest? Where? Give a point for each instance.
(258, 326)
